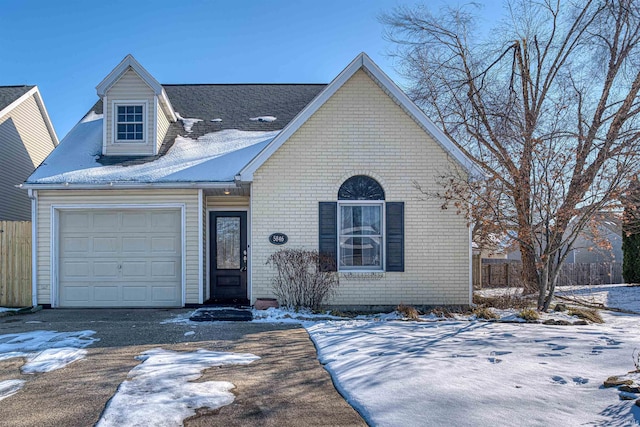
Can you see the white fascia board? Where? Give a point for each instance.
(167, 107)
(18, 101)
(45, 116)
(362, 61)
(121, 68)
(126, 185)
(35, 92)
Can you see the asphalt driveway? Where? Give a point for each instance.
(286, 387)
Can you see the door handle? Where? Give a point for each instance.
(244, 261)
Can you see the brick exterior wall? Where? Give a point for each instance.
(360, 130)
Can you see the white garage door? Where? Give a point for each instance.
(120, 258)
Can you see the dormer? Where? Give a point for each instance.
(137, 111)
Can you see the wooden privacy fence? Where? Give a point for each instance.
(15, 263)
(506, 273)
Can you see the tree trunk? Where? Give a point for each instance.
(530, 278)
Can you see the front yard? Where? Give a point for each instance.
(460, 371)
(478, 373)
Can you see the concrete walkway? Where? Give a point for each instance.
(286, 387)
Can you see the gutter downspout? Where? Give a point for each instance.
(33, 195)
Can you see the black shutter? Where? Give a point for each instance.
(395, 236)
(328, 234)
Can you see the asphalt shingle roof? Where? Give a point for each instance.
(8, 94)
(234, 104)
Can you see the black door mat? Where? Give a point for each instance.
(228, 314)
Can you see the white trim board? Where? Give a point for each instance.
(55, 234)
(362, 61)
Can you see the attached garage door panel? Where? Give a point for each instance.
(120, 258)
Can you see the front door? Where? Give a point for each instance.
(228, 249)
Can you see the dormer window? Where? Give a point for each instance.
(130, 123)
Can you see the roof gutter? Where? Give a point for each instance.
(125, 185)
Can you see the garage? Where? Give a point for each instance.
(120, 258)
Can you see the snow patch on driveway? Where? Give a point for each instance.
(45, 351)
(10, 387)
(161, 392)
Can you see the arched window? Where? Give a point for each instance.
(361, 187)
(360, 224)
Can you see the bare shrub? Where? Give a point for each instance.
(485, 313)
(529, 314)
(636, 359)
(299, 282)
(442, 312)
(586, 314)
(408, 312)
(502, 301)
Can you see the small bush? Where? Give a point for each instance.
(529, 314)
(442, 312)
(484, 313)
(408, 312)
(586, 314)
(299, 282)
(636, 359)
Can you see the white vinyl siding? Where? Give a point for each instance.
(163, 126)
(130, 88)
(25, 141)
(117, 199)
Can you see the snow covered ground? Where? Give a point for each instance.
(477, 373)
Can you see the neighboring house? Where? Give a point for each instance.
(26, 138)
(174, 195)
(601, 242)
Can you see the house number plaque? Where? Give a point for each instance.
(278, 239)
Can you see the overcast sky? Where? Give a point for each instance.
(67, 47)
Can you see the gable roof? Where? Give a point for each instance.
(9, 94)
(12, 96)
(129, 62)
(362, 61)
(224, 136)
(184, 156)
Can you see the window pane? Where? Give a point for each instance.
(360, 220)
(121, 110)
(360, 252)
(228, 243)
(137, 109)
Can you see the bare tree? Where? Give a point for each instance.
(547, 104)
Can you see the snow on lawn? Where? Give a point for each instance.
(216, 156)
(476, 373)
(161, 390)
(10, 387)
(45, 351)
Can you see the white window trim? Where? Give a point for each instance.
(114, 122)
(383, 236)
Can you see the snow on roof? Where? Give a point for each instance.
(214, 157)
(187, 123)
(267, 119)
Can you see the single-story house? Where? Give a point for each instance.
(176, 195)
(26, 138)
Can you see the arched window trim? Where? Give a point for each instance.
(361, 187)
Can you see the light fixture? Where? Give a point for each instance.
(226, 192)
